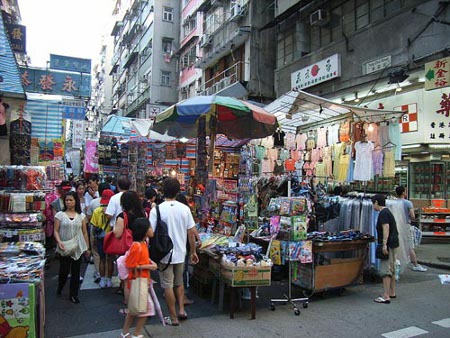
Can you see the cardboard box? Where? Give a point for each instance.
(246, 276)
(214, 266)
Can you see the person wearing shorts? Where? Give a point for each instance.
(387, 235)
(181, 227)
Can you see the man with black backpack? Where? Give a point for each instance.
(180, 227)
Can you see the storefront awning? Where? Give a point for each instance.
(301, 110)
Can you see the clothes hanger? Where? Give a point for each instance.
(389, 145)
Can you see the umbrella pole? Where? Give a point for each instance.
(212, 142)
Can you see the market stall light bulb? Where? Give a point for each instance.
(173, 172)
(370, 129)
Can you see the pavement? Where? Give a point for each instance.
(434, 253)
(97, 315)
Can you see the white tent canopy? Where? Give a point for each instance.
(299, 109)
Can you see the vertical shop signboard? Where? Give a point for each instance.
(437, 125)
(17, 36)
(77, 134)
(90, 158)
(437, 74)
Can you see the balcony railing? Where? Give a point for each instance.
(223, 79)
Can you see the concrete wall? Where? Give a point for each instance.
(389, 36)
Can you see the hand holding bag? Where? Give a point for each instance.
(69, 246)
(118, 246)
(379, 252)
(138, 298)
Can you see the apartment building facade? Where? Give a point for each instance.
(235, 57)
(144, 70)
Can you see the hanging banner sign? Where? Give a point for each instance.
(70, 64)
(437, 74)
(77, 134)
(45, 81)
(17, 36)
(319, 72)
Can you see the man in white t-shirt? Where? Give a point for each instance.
(181, 226)
(114, 207)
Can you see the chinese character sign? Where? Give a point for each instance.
(77, 134)
(321, 71)
(437, 124)
(17, 36)
(57, 83)
(70, 64)
(437, 74)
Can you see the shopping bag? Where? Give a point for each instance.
(118, 246)
(70, 246)
(137, 300)
(417, 235)
(379, 252)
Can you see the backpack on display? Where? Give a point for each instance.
(161, 244)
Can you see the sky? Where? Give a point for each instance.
(64, 27)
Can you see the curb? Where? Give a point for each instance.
(435, 265)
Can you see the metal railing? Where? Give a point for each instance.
(223, 79)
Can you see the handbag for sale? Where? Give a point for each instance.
(137, 300)
(118, 246)
(379, 252)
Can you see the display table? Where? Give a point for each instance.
(336, 265)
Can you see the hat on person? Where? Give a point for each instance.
(106, 196)
(64, 185)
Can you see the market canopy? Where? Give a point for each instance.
(235, 118)
(299, 109)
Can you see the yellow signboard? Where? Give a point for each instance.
(437, 74)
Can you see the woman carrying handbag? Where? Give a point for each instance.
(139, 265)
(71, 237)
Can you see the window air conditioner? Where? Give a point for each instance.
(318, 18)
(205, 40)
(236, 12)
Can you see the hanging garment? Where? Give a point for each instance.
(343, 168)
(327, 161)
(394, 136)
(283, 154)
(357, 135)
(300, 140)
(289, 164)
(267, 142)
(344, 131)
(371, 130)
(290, 141)
(383, 131)
(298, 167)
(389, 164)
(363, 162)
(278, 167)
(260, 152)
(266, 166)
(296, 155)
(320, 172)
(321, 137)
(377, 158)
(278, 138)
(333, 134)
(338, 151)
(310, 142)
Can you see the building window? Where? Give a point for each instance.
(285, 48)
(165, 78)
(167, 45)
(167, 13)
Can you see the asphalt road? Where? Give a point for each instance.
(421, 308)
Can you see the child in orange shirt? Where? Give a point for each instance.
(138, 261)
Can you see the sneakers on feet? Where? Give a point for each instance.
(109, 283)
(419, 268)
(102, 283)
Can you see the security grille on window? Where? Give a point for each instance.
(167, 13)
(165, 78)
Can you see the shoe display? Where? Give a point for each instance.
(102, 283)
(419, 268)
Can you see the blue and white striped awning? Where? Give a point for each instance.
(46, 118)
(11, 85)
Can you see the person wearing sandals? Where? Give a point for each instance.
(138, 260)
(387, 235)
(70, 227)
(181, 226)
